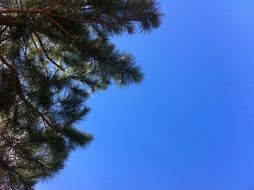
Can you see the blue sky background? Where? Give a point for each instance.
(190, 124)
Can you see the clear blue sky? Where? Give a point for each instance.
(190, 124)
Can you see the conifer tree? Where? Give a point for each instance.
(53, 55)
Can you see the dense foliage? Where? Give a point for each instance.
(53, 55)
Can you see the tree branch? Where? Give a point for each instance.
(45, 52)
(20, 91)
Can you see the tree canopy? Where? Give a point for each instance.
(53, 55)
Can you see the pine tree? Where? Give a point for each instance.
(53, 55)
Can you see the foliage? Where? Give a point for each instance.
(53, 55)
